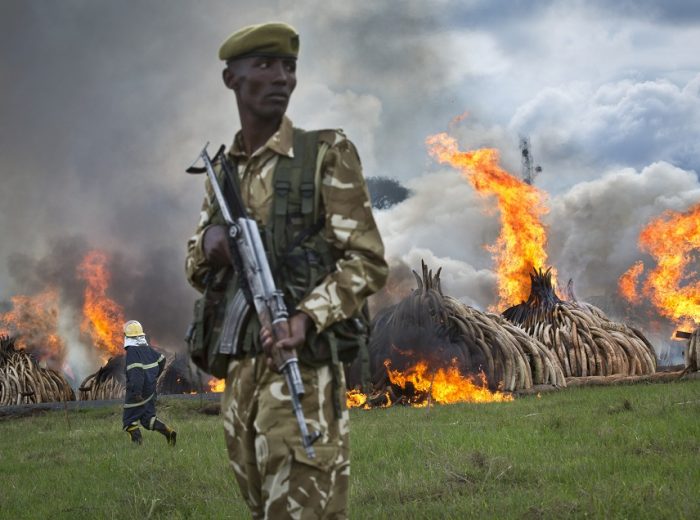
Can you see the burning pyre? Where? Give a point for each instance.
(582, 337)
(673, 240)
(22, 380)
(432, 348)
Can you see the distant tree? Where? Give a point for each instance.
(385, 192)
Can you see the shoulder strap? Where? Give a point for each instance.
(323, 148)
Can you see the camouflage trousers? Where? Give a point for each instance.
(276, 477)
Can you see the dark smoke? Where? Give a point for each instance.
(147, 284)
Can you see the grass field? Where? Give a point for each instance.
(600, 452)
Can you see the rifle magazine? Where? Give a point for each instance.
(236, 313)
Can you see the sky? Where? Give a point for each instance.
(105, 104)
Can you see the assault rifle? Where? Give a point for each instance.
(259, 288)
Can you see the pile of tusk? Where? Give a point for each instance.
(23, 381)
(93, 390)
(585, 341)
(109, 382)
(510, 359)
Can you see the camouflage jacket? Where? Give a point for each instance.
(349, 224)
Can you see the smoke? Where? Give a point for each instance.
(593, 233)
(621, 123)
(108, 104)
(142, 283)
(105, 104)
(595, 225)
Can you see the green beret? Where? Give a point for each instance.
(268, 39)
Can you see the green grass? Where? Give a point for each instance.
(600, 452)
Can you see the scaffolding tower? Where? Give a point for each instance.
(528, 171)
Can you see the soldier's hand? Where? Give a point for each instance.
(216, 246)
(290, 337)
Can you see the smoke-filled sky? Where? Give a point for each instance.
(104, 104)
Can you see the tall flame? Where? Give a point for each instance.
(103, 318)
(35, 320)
(521, 244)
(673, 239)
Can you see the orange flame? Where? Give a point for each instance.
(35, 320)
(521, 244)
(217, 385)
(444, 386)
(627, 283)
(457, 119)
(356, 399)
(672, 239)
(103, 318)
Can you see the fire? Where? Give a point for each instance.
(521, 244)
(422, 385)
(673, 239)
(444, 386)
(217, 385)
(628, 282)
(103, 318)
(35, 320)
(356, 399)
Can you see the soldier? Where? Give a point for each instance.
(143, 367)
(308, 196)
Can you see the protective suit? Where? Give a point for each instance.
(143, 367)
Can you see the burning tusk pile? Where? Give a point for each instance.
(692, 363)
(107, 383)
(22, 380)
(511, 355)
(584, 340)
(427, 325)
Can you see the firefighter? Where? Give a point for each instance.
(143, 367)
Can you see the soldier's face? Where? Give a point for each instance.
(262, 85)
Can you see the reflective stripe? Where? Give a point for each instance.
(153, 421)
(134, 405)
(141, 365)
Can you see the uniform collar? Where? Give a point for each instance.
(281, 142)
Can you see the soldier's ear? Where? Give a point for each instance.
(231, 79)
(226, 75)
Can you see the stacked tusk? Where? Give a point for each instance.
(107, 383)
(511, 359)
(585, 341)
(23, 381)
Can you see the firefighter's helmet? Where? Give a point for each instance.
(133, 329)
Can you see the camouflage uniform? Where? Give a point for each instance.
(276, 477)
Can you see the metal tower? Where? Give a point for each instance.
(528, 171)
